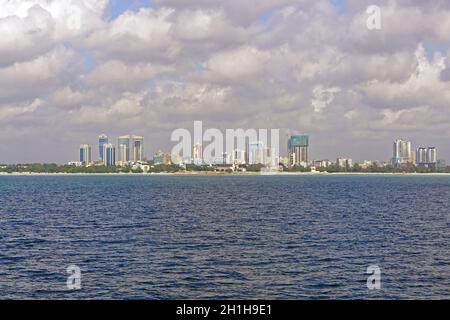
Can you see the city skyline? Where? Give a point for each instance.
(193, 152)
(67, 75)
(411, 157)
(130, 150)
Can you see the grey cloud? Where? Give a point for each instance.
(242, 12)
(296, 65)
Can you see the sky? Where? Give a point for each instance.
(73, 69)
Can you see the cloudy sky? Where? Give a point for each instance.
(72, 69)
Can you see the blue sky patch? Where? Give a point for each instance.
(118, 7)
(340, 5)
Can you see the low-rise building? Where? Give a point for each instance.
(162, 158)
(322, 163)
(344, 162)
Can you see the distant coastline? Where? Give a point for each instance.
(206, 173)
(192, 169)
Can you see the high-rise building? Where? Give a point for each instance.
(256, 152)
(402, 154)
(85, 154)
(421, 156)
(109, 155)
(197, 154)
(432, 156)
(123, 146)
(426, 157)
(298, 150)
(130, 149)
(122, 154)
(138, 148)
(102, 140)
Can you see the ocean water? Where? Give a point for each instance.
(224, 237)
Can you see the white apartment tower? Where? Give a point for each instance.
(402, 154)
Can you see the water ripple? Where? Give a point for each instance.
(299, 237)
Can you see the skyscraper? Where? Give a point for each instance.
(432, 156)
(256, 152)
(123, 149)
(426, 157)
(109, 155)
(138, 148)
(131, 149)
(85, 154)
(298, 150)
(102, 140)
(402, 154)
(197, 154)
(421, 156)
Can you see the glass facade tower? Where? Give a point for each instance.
(102, 140)
(130, 149)
(85, 154)
(298, 146)
(109, 152)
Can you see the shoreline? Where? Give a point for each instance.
(219, 174)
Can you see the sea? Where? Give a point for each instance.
(156, 237)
